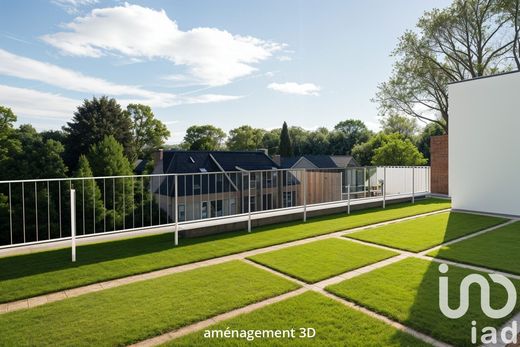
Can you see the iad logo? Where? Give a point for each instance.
(490, 334)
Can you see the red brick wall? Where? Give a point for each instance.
(439, 164)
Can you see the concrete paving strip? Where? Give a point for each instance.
(158, 340)
(96, 287)
(317, 287)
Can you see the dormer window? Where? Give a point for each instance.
(203, 169)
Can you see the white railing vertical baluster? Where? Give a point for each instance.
(59, 207)
(36, 209)
(73, 222)
(413, 185)
(151, 198)
(133, 202)
(10, 213)
(348, 199)
(168, 199)
(249, 202)
(93, 206)
(83, 203)
(105, 205)
(142, 201)
(176, 187)
(124, 204)
(384, 187)
(304, 195)
(114, 201)
(23, 210)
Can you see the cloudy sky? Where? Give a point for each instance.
(227, 62)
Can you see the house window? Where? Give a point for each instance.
(216, 208)
(232, 206)
(246, 204)
(204, 209)
(182, 212)
(253, 179)
(196, 184)
(288, 199)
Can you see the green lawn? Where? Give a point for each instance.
(29, 275)
(408, 292)
(141, 310)
(499, 249)
(426, 232)
(335, 324)
(316, 261)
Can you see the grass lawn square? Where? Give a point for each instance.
(408, 292)
(134, 312)
(335, 324)
(316, 261)
(498, 249)
(34, 274)
(426, 232)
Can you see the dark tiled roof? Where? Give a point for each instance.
(139, 166)
(344, 160)
(320, 161)
(193, 161)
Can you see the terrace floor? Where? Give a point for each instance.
(364, 279)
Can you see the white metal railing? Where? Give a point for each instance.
(41, 210)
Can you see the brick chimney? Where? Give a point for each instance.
(158, 161)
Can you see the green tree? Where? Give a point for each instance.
(364, 152)
(271, 141)
(245, 137)
(396, 124)
(317, 142)
(286, 149)
(204, 138)
(347, 134)
(149, 132)
(38, 158)
(468, 39)
(396, 151)
(299, 138)
(423, 140)
(92, 122)
(88, 199)
(107, 159)
(9, 143)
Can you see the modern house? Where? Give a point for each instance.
(484, 123)
(215, 183)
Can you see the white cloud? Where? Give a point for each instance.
(30, 69)
(32, 103)
(73, 6)
(284, 58)
(212, 56)
(296, 88)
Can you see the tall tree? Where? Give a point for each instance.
(149, 132)
(286, 149)
(347, 134)
(92, 122)
(405, 126)
(204, 138)
(465, 40)
(107, 159)
(244, 138)
(89, 200)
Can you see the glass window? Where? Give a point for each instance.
(182, 212)
(204, 209)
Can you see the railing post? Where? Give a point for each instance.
(73, 222)
(249, 202)
(304, 195)
(413, 185)
(348, 199)
(176, 211)
(384, 187)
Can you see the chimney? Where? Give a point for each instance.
(264, 150)
(276, 159)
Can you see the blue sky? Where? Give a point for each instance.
(227, 62)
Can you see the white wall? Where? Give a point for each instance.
(484, 144)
